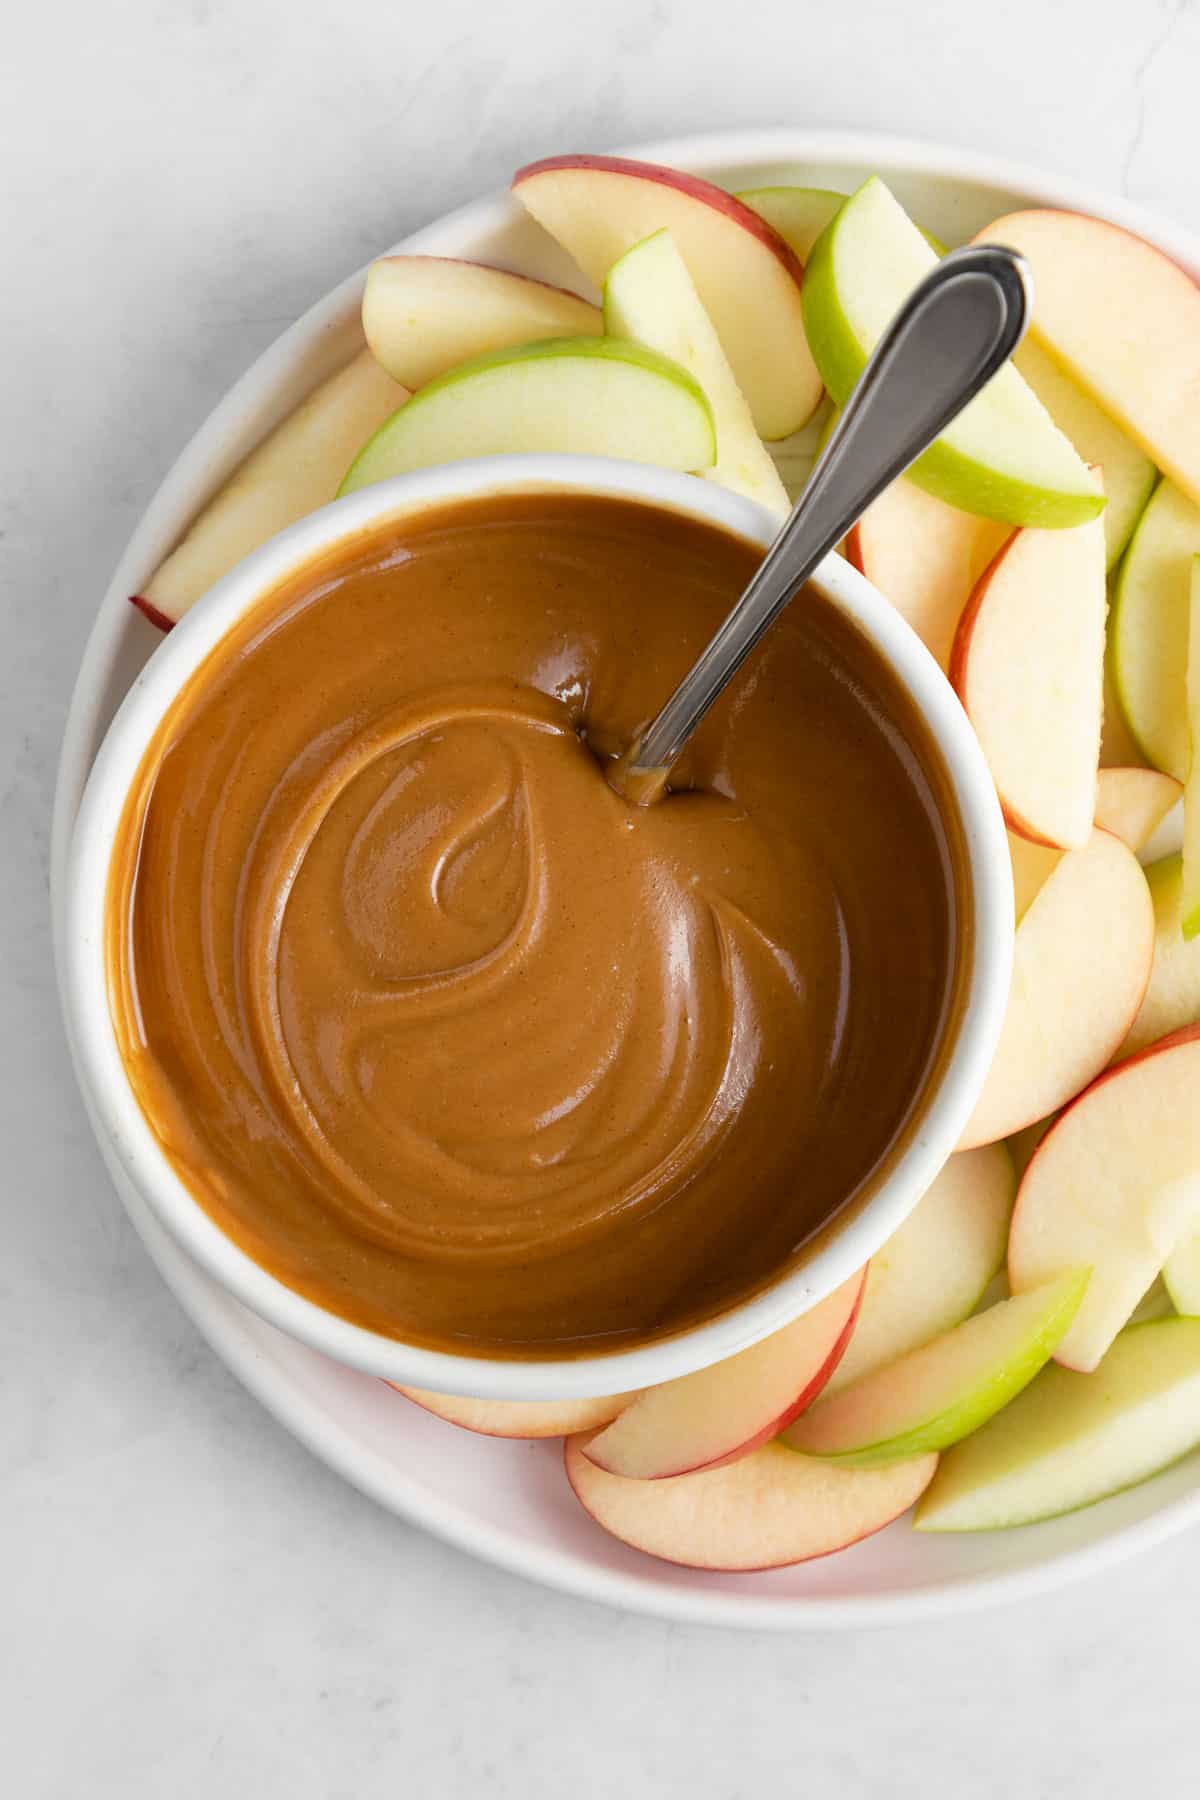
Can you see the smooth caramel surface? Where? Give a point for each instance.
(449, 1037)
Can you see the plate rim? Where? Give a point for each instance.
(215, 1314)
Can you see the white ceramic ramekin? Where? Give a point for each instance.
(134, 1153)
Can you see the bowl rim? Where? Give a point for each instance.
(271, 1368)
(841, 1249)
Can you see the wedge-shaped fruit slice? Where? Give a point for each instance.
(798, 214)
(1124, 320)
(719, 1413)
(292, 472)
(1148, 633)
(1070, 1439)
(1114, 1184)
(1181, 1277)
(423, 315)
(518, 1418)
(1028, 665)
(1143, 807)
(584, 396)
(1191, 795)
(1004, 456)
(598, 207)
(1081, 963)
(650, 298)
(932, 1397)
(931, 1273)
(1128, 473)
(764, 1511)
(1172, 997)
(926, 557)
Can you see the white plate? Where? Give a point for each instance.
(509, 1503)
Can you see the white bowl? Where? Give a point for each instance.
(508, 1503)
(942, 1111)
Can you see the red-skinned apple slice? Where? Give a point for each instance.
(717, 1414)
(1141, 807)
(1114, 1185)
(765, 1511)
(1028, 665)
(1172, 998)
(926, 557)
(1082, 958)
(292, 472)
(598, 207)
(518, 1418)
(423, 315)
(1124, 320)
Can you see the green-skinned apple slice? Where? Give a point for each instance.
(1028, 666)
(722, 1412)
(1128, 473)
(1148, 631)
(1190, 901)
(518, 1418)
(1143, 807)
(934, 1396)
(423, 315)
(1003, 457)
(798, 214)
(1172, 998)
(1071, 1439)
(1125, 322)
(583, 396)
(765, 1511)
(598, 207)
(292, 472)
(932, 1272)
(926, 557)
(650, 299)
(1082, 959)
(1114, 1184)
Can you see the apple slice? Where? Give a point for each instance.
(1071, 1439)
(926, 557)
(1172, 997)
(650, 298)
(1128, 473)
(1003, 457)
(585, 396)
(798, 214)
(933, 1396)
(794, 457)
(1190, 901)
(1125, 322)
(598, 207)
(1082, 959)
(1141, 807)
(765, 1511)
(1115, 1184)
(423, 315)
(517, 1418)
(1148, 634)
(1181, 1277)
(719, 1413)
(1032, 866)
(292, 472)
(1028, 665)
(932, 1272)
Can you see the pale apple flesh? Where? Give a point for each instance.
(598, 207)
(722, 1412)
(1071, 1439)
(517, 1418)
(581, 396)
(1172, 999)
(1190, 902)
(766, 1511)
(933, 1396)
(1143, 807)
(1115, 1185)
(798, 214)
(1148, 632)
(423, 315)
(292, 472)
(1028, 666)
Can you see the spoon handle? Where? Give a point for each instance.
(947, 340)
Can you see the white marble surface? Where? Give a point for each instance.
(189, 1605)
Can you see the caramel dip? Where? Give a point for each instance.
(454, 1041)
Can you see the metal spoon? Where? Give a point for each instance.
(947, 340)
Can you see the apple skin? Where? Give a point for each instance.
(1148, 629)
(1171, 1002)
(149, 611)
(518, 1419)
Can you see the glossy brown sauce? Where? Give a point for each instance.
(447, 1036)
